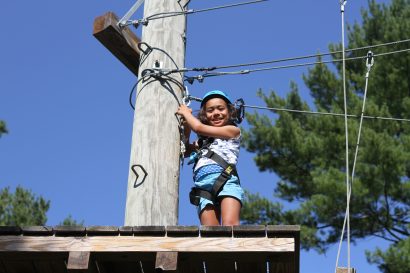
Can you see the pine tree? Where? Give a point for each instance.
(308, 152)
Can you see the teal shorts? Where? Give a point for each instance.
(232, 188)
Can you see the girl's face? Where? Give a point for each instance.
(217, 113)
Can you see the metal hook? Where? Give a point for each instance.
(370, 59)
(148, 49)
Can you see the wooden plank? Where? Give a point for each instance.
(249, 231)
(102, 231)
(69, 231)
(216, 231)
(78, 260)
(287, 231)
(10, 230)
(182, 231)
(345, 270)
(166, 261)
(149, 230)
(145, 244)
(122, 43)
(125, 230)
(37, 231)
(282, 230)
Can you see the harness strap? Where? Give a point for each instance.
(229, 170)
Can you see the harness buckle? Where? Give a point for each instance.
(228, 170)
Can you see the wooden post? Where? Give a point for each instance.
(153, 181)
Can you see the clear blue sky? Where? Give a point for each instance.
(65, 98)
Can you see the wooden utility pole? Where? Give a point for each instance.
(153, 181)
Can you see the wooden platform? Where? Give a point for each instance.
(107, 249)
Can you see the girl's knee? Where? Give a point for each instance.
(230, 222)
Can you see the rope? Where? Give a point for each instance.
(163, 15)
(294, 58)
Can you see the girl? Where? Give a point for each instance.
(217, 191)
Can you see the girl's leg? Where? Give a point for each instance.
(230, 209)
(209, 216)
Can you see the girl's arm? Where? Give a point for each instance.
(225, 132)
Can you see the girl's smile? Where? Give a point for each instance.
(217, 112)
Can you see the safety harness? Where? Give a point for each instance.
(228, 170)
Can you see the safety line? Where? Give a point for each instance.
(292, 58)
(163, 15)
(201, 77)
(347, 215)
(324, 113)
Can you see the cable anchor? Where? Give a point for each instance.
(239, 105)
(147, 50)
(369, 59)
(136, 23)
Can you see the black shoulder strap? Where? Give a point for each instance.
(228, 170)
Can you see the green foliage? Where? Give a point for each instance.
(308, 152)
(395, 260)
(3, 128)
(22, 208)
(69, 221)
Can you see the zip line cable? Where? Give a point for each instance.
(200, 78)
(342, 9)
(369, 64)
(293, 58)
(324, 113)
(276, 109)
(162, 15)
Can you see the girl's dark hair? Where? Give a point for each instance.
(233, 114)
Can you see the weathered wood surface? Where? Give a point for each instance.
(78, 260)
(345, 270)
(145, 244)
(166, 261)
(155, 136)
(121, 42)
(270, 231)
(132, 249)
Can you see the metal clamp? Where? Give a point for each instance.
(369, 59)
(127, 16)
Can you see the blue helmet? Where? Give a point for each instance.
(215, 94)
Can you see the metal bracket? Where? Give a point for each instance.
(127, 16)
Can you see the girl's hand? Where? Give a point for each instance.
(184, 110)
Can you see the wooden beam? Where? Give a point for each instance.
(153, 178)
(122, 43)
(78, 260)
(345, 270)
(145, 244)
(166, 261)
